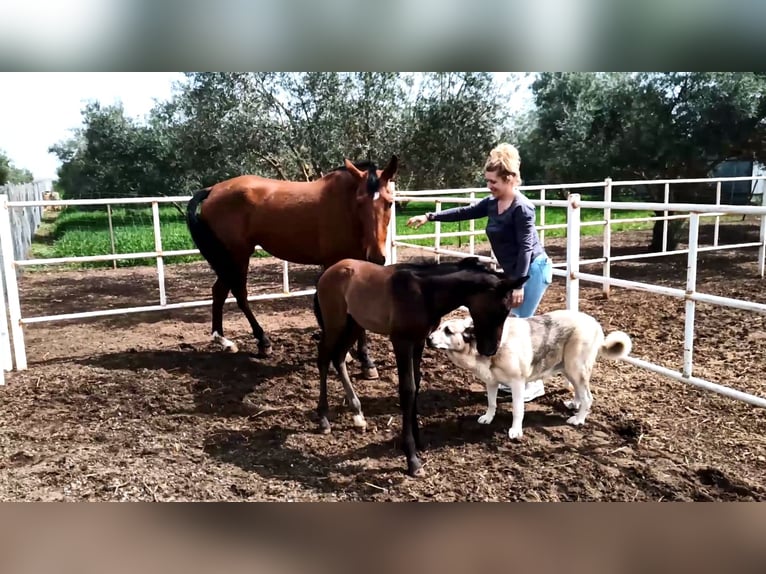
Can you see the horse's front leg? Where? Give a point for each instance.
(404, 365)
(369, 371)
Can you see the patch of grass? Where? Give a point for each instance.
(81, 232)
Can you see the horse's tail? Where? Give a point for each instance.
(211, 248)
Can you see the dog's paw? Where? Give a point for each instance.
(572, 404)
(486, 419)
(575, 421)
(515, 434)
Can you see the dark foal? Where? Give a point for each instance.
(344, 214)
(405, 302)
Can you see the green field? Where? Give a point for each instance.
(75, 232)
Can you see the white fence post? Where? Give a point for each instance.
(11, 284)
(438, 231)
(285, 278)
(5, 338)
(472, 228)
(542, 219)
(691, 287)
(665, 221)
(391, 235)
(111, 234)
(607, 266)
(717, 217)
(158, 249)
(762, 237)
(573, 252)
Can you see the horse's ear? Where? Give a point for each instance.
(352, 169)
(390, 171)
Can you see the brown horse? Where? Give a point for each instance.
(405, 302)
(344, 214)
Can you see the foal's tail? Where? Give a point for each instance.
(318, 312)
(211, 248)
(317, 308)
(617, 344)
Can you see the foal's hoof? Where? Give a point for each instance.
(416, 470)
(370, 373)
(359, 423)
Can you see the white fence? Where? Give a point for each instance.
(571, 265)
(24, 222)
(568, 268)
(11, 264)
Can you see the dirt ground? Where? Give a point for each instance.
(143, 406)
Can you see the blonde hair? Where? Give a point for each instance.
(504, 159)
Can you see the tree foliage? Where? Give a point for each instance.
(286, 125)
(582, 127)
(646, 126)
(9, 173)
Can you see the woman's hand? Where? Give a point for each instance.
(417, 221)
(517, 297)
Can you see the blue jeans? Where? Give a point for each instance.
(540, 277)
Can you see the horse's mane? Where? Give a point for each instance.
(372, 173)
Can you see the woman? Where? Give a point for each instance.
(512, 235)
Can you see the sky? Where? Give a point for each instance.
(40, 109)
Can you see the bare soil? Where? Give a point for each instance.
(144, 407)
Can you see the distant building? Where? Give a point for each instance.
(739, 192)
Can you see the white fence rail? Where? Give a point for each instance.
(12, 262)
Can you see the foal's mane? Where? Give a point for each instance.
(431, 269)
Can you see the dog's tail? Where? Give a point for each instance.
(616, 345)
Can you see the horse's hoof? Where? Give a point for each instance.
(370, 373)
(324, 426)
(264, 351)
(230, 348)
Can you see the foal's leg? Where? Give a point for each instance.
(417, 356)
(240, 292)
(220, 291)
(338, 359)
(323, 362)
(369, 371)
(404, 355)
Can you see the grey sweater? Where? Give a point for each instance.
(511, 234)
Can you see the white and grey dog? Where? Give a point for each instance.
(567, 342)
